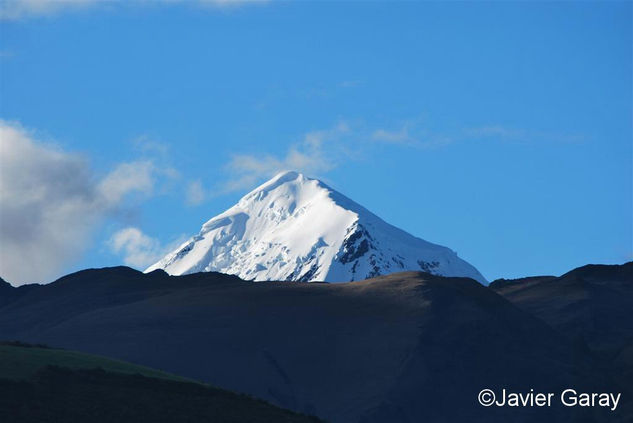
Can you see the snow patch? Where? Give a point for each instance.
(297, 228)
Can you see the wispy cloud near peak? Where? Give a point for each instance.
(24, 9)
(318, 152)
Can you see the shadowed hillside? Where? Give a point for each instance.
(591, 305)
(406, 347)
(49, 385)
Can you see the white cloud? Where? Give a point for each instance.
(138, 249)
(400, 136)
(227, 3)
(6, 54)
(147, 145)
(195, 194)
(411, 134)
(322, 151)
(495, 131)
(138, 176)
(318, 152)
(351, 83)
(518, 135)
(51, 201)
(22, 9)
(18, 9)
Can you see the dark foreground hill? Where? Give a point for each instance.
(48, 385)
(407, 347)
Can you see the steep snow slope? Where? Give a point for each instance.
(297, 228)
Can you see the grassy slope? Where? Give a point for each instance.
(21, 362)
(49, 385)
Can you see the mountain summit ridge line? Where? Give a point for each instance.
(297, 228)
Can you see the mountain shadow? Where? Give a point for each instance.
(406, 347)
(42, 385)
(590, 305)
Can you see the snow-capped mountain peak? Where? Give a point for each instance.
(297, 228)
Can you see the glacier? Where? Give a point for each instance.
(296, 228)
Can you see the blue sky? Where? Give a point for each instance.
(501, 130)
